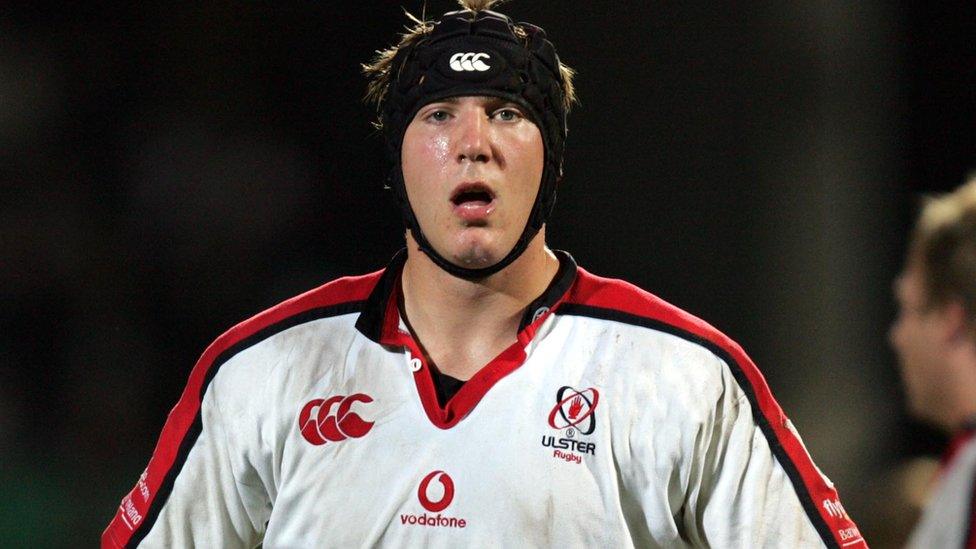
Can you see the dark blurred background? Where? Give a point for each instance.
(167, 171)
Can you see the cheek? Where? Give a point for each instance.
(423, 155)
(919, 355)
(438, 148)
(530, 157)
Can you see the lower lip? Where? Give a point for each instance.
(474, 211)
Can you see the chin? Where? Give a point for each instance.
(477, 250)
(476, 258)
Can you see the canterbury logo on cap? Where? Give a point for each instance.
(469, 62)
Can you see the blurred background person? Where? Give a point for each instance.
(934, 336)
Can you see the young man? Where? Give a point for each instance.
(935, 341)
(482, 389)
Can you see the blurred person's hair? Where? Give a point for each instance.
(943, 248)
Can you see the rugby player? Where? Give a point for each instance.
(482, 389)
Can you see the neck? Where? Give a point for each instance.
(463, 324)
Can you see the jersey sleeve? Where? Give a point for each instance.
(197, 490)
(752, 482)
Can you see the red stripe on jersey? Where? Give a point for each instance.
(133, 515)
(816, 493)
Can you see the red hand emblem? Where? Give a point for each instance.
(576, 407)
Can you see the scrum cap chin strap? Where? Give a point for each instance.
(479, 54)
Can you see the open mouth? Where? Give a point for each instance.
(474, 194)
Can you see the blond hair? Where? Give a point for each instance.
(943, 248)
(379, 71)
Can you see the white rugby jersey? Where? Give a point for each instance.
(614, 420)
(947, 520)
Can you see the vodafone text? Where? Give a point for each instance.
(437, 520)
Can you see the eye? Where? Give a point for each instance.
(439, 115)
(508, 114)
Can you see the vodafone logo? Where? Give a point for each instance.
(469, 62)
(322, 420)
(434, 500)
(445, 499)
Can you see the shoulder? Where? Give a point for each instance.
(660, 325)
(620, 301)
(340, 297)
(336, 298)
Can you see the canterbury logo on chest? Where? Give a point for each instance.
(469, 62)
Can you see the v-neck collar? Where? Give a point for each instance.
(380, 322)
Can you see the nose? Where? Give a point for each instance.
(474, 139)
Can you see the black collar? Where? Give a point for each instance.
(376, 314)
